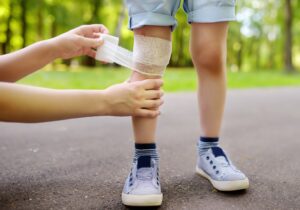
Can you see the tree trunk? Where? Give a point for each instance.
(288, 56)
(40, 18)
(240, 57)
(88, 61)
(54, 27)
(271, 63)
(6, 45)
(53, 33)
(240, 53)
(258, 54)
(24, 22)
(120, 20)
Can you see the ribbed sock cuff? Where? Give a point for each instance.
(149, 150)
(145, 146)
(209, 139)
(205, 143)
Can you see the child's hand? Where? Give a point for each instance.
(82, 40)
(141, 98)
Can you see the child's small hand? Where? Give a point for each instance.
(82, 40)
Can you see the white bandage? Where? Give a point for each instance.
(107, 50)
(150, 55)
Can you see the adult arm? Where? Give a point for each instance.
(79, 41)
(22, 103)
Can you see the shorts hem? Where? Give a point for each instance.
(150, 18)
(220, 14)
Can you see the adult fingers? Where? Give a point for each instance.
(90, 53)
(152, 104)
(153, 94)
(147, 113)
(150, 84)
(89, 30)
(90, 42)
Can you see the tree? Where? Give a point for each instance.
(95, 5)
(8, 33)
(40, 18)
(24, 22)
(288, 56)
(121, 17)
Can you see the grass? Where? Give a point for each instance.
(183, 79)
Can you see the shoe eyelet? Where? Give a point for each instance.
(217, 172)
(207, 158)
(214, 167)
(211, 162)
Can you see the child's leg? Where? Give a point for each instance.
(153, 18)
(208, 48)
(142, 187)
(144, 128)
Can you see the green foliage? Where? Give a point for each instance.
(255, 40)
(176, 79)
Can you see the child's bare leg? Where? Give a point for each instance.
(208, 48)
(142, 186)
(144, 128)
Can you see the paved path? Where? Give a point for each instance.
(81, 164)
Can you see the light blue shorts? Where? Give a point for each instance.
(162, 12)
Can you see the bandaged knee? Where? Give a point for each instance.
(150, 55)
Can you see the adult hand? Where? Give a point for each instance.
(141, 98)
(82, 40)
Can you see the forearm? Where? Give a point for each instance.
(20, 103)
(18, 64)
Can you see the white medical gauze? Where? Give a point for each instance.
(106, 51)
(150, 55)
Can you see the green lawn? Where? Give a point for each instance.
(183, 79)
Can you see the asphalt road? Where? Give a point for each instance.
(82, 163)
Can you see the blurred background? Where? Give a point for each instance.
(263, 46)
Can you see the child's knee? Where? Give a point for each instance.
(208, 59)
(151, 55)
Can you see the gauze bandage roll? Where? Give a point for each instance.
(150, 55)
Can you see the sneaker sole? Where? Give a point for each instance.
(225, 185)
(142, 200)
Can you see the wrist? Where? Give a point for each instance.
(93, 103)
(106, 103)
(54, 47)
